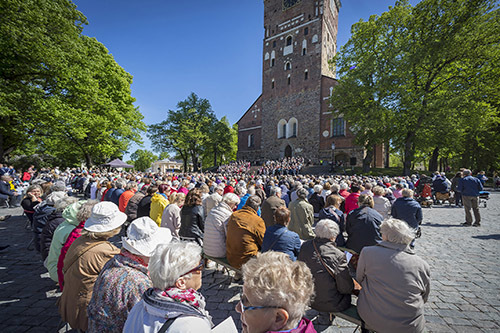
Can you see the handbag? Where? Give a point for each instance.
(357, 286)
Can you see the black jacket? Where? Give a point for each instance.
(144, 206)
(40, 218)
(317, 202)
(363, 228)
(48, 230)
(192, 222)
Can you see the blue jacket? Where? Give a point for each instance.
(408, 210)
(279, 238)
(115, 196)
(470, 186)
(326, 213)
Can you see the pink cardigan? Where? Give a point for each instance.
(60, 263)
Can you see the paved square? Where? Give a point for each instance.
(465, 277)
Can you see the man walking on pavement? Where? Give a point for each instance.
(470, 187)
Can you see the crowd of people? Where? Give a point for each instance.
(299, 240)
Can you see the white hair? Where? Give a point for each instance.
(327, 229)
(231, 198)
(171, 261)
(343, 186)
(302, 193)
(396, 231)
(318, 188)
(61, 205)
(251, 190)
(274, 190)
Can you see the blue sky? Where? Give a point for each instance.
(212, 48)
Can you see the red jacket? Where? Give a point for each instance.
(351, 202)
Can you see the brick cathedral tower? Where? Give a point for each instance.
(292, 116)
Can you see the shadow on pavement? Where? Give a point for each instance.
(493, 236)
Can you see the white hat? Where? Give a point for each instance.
(105, 217)
(144, 235)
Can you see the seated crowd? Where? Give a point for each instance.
(299, 242)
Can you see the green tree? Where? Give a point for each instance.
(164, 155)
(142, 159)
(220, 144)
(428, 72)
(61, 93)
(185, 130)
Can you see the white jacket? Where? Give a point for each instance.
(214, 237)
(382, 205)
(210, 202)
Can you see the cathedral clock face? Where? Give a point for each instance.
(289, 3)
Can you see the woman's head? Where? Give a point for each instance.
(282, 216)
(279, 289)
(333, 200)
(104, 222)
(85, 210)
(177, 198)
(396, 231)
(61, 205)
(176, 265)
(327, 229)
(365, 200)
(35, 190)
(231, 199)
(302, 193)
(378, 191)
(193, 198)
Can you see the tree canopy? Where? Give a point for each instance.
(61, 93)
(142, 159)
(423, 77)
(194, 133)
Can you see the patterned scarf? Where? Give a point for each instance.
(133, 257)
(188, 296)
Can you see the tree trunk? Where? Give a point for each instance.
(409, 152)
(215, 155)
(194, 159)
(387, 155)
(88, 160)
(433, 162)
(367, 161)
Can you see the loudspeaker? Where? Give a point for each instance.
(352, 161)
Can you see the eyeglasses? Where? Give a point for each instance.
(196, 269)
(250, 308)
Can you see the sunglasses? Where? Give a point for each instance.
(197, 268)
(250, 308)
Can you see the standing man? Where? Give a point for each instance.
(470, 187)
(270, 205)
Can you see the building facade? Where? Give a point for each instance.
(293, 115)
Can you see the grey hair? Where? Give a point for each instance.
(240, 190)
(58, 187)
(327, 229)
(131, 185)
(251, 190)
(274, 190)
(61, 205)
(407, 193)
(343, 186)
(318, 188)
(253, 202)
(121, 183)
(85, 210)
(231, 198)
(302, 193)
(335, 188)
(466, 172)
(172, 261)
(397, 231)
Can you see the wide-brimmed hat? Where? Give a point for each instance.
(144, 235)
(105, 217)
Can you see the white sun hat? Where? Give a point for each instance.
(105, 216)
(144, 235)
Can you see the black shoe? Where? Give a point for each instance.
(4, 247)
(476, 225)
(466, 224)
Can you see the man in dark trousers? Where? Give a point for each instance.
(470, 187)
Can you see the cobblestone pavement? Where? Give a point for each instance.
(465, 273)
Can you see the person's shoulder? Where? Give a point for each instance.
(190, 324)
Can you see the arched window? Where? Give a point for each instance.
(273, 56)
(289, 41)
(272, 84)
(292, 128)
(288, 79)
(281, 129)
(288, 66)
(306, 74)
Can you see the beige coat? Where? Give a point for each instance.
(269, 206)
(83, 263)
(302, 218)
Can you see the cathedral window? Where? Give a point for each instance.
(337, 126)
(272, 62)
(272, 84)
(288, 66)
(306, 31)
(304, 51)
(292, 128)
(306, 74)
(289, 41)
(274, 43)
(288, 79)
(251, 140)
(282, 129)
(273, 56)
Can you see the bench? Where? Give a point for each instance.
(225, 265)
(351, 315)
